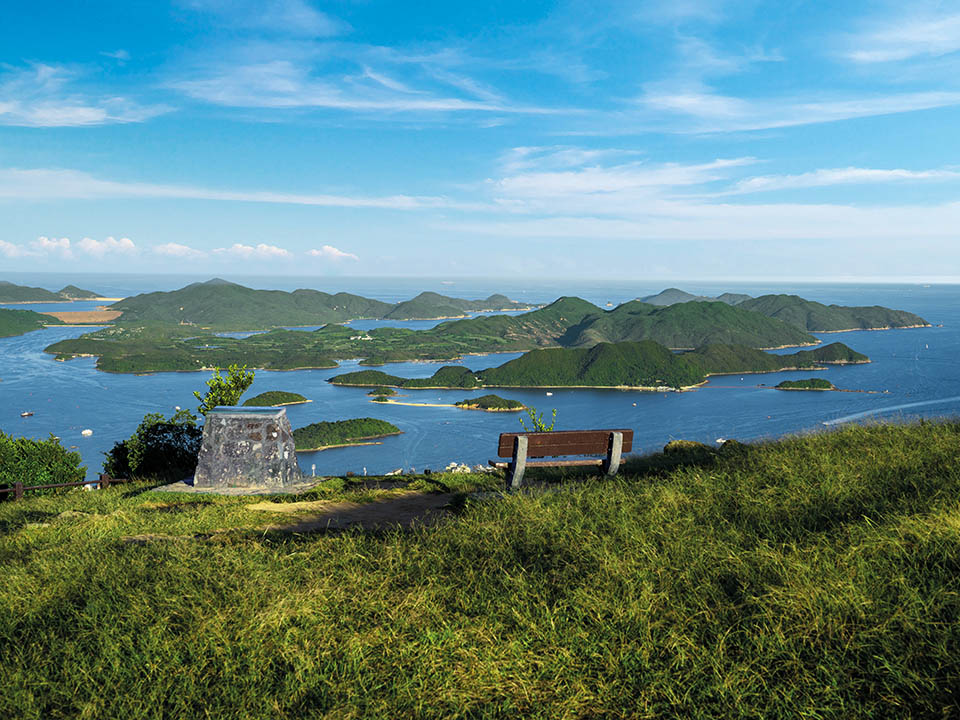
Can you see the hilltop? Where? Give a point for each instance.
(431, 305)
(814, 576)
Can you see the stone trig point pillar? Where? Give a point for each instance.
(246, 447)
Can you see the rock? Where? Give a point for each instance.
(684, 446)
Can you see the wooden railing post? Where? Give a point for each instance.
(104, 481)
(18, 490)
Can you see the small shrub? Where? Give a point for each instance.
(537, 422)
(225, 390)
(37, 462)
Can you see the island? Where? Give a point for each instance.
(490, 403)
(815, 384)
(137, 343)
(19, 322)
(275, 398)
(341, 433)
(642, 365)
(382, 391)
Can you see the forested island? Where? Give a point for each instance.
(644, 365)
(275, 398)
(341, 433)
(815, 384)
(490, 403)
(18, 322)
(140, 342)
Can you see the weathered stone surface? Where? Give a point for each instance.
(246, 447)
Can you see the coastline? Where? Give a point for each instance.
(360, 441)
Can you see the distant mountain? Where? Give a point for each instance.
(72, 292)
(673, 296)
(628, 364)
(817, 317)
(684, 325)
(431, 305)
(12, 293)
(221, 305)
(18, 322)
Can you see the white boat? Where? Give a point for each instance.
(26, 413)
(549, 394)
(86, 433)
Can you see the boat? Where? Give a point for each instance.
(86, 433)
(549, 394)
(26, 413)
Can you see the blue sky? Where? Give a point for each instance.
(679, 140)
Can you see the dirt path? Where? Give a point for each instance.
(403, 510)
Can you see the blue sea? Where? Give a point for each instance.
(914, 371)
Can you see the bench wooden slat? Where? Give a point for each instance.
(596, 462)
(565, 442)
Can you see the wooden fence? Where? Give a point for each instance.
(19, 488)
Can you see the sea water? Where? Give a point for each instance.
(914, 373)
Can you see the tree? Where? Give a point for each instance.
(225, 390)
(539, 425)
(160, 449)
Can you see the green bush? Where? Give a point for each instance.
(160, 449)
(37, 462)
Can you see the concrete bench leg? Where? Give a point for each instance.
(612, 463)
(518, 464)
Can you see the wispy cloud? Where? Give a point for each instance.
(45, 246)
(262, 251)
(328, 252)
(839, 176)
(56, 184)
(907, 37)
(41, 95)
(707, 111)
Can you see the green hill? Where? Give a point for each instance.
(817, 317)
(221, 305)
(18, 322)
(672, 296)
(684, 325)
(11, 293)
(325, 434)
(72, 292)
(275, 398)
(630, 364)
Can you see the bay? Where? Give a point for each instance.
(916, 367)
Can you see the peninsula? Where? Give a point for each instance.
(18, 322)
(11, 294)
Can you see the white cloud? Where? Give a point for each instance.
(120, 56)
(40, 96)
(905, 38)
(11, 250)
(711, 112)
(261, 251)
(329, 252)
(53, 246)
(176, 250)
(110, 245)
(51, 184)
(839, 176)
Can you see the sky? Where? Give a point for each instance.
(687, 139)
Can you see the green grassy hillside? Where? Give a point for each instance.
(12, 293)
(18, 322)
(813, 577)
(72, 292)
(430, 305)
(817, 317)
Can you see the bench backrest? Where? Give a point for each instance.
(565, 442)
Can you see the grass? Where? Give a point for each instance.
(817, 576)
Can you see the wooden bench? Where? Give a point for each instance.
(520, 447)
